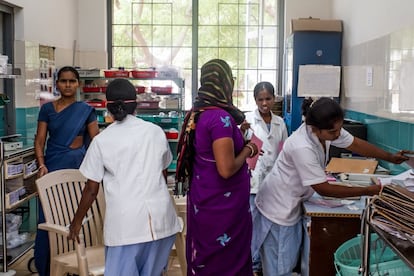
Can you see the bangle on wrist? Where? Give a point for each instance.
(251, 149)
(41, 166)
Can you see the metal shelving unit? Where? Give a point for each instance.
(11, 201)
(404, 249)
(167, 117)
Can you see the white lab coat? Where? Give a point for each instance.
(129, 157)
(300, 165)
(272, 141)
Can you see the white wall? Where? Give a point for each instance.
(378, 35)
(49, 22)
(92, 38)
(76, 28)
(304, 8)
(369, 19)
(60, 22)
(92, 25)
(362, 20)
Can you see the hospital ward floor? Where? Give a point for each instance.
(22, 270)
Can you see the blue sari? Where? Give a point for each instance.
(63, 127)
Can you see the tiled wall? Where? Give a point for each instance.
(385, 105)
(26, 86)
(387, 134)
(26, 122)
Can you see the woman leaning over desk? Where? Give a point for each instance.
(219, 225)
(300, 171)
(67, 126)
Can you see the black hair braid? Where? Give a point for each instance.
(307, 102)
(118, 109)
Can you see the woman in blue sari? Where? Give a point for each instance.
(67, 126)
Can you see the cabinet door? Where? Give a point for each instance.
(326, 235)
(317, 48)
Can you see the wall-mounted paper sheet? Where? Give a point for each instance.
(319, 81)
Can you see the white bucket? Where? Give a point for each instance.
(3, 64)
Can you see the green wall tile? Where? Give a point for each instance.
(387, 134)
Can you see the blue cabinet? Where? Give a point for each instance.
(304, 48)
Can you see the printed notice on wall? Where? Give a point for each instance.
(319, 81)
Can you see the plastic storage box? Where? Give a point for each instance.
(94, 89)
(147, 104)
(140, 89)
(160, 90)
(97, 103)
(143, 74)
(116, 74)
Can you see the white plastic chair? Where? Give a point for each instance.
(60, 193)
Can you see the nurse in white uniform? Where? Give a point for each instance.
(300, 171)
(271, 129)
(130, 157)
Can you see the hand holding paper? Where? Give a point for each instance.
(410, 161)
(251, 162)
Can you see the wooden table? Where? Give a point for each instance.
(328, 229)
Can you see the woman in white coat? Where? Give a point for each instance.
(300, 171)
(271, 129)
(130, 157)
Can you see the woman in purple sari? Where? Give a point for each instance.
(68, 126)
(219, 222)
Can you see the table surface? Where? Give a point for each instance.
(354, 209)
(312, 209)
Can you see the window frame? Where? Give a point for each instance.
(195, 47)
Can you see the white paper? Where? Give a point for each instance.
(319, 81)
(410, 161)
(405, 178)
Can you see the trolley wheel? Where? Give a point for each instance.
(31, 265)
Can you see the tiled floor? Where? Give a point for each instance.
(21, 266)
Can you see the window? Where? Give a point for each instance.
(154, 33)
